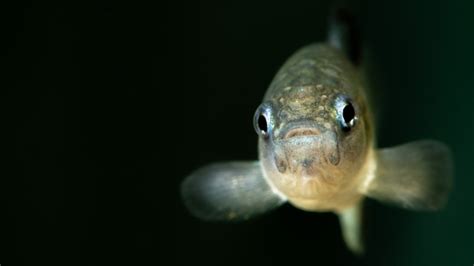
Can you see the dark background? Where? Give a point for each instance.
(112, 104)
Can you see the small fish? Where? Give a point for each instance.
(317, 151)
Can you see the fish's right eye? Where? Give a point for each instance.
(262, 122)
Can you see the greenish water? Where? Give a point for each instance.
(429, 79)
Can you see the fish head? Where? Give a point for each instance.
(313, 140)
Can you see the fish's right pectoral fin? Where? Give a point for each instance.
(230, 191)
(416, 175)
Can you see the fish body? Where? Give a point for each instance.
(317, 151)
(310, 153)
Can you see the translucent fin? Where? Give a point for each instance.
(230, 191)
(351, 227)
(344, 32)
(416, 175)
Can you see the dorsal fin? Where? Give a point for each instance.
(344, 33)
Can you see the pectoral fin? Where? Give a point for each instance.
(416, 175)
(230, 191)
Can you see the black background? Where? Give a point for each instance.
(112, 104)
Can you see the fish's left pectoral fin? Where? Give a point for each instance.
(416, 175)
(229, 191)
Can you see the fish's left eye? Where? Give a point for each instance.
(347, 114)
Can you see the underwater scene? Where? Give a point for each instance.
(239, 133)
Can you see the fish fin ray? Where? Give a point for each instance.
(416, 175)
(229, 191)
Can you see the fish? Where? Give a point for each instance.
(317, 150)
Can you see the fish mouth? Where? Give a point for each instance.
(299, 132)
(300, 129)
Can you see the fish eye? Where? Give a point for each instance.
(262, 123)
(347, 114)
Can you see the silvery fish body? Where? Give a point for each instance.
(317, 151)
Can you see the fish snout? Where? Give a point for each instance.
(300, 129)
(298, 132)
